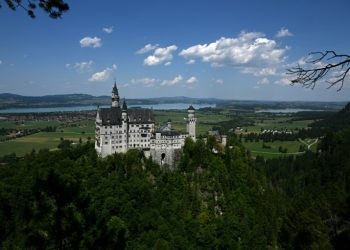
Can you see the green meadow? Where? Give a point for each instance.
(256, 148)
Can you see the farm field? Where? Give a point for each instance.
(277, 123)
(47, 140)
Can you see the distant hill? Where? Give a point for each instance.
(17, 101)
(12, 100)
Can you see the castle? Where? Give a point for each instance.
(119, 129)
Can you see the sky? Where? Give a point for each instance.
(197, 48)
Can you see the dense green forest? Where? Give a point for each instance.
(71, 199)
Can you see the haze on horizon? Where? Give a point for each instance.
(221, 49)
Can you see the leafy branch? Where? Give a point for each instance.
(324, 64)
(55, 8)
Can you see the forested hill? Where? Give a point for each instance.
(71, 199)
(12, 100)
(337, 121)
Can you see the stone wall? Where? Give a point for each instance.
(168, 156)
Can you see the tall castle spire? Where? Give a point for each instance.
(125, 107)
(115, 95)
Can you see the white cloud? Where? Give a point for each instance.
(192, 80)
(94, 42)
(283, 32)
(108, 30)
(160, 56)
(148, 47)
(123, 85)
(263, 81)
(192, 61)
(283, 81)
(249, 52)
(174, 81)
(260, 71)
(103, 75)
(219, 81)
(147, 82)
(83, 66)
(167, 64)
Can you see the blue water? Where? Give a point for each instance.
(165, 106)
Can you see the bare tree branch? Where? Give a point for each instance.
(324, 64)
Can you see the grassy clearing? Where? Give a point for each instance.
(292, 147)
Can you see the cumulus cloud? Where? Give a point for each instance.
(174, 81)
(93, 42)
(263, 81)
(249, 52)
(147, 82)
(219, 81)
(108, 30)
(147, 48)
(103, 75)
(160, 56)
(192, 80)
(192, 61)
(283, 32)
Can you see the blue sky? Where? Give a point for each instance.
(224, 49)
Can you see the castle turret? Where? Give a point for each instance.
(115, 96)
(191, 123)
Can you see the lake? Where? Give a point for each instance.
(287, 110)
(162, 106)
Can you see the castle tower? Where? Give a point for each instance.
(115, 96)
(191, 123)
